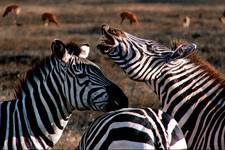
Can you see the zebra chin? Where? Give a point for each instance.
(104, 48)
(117, 99)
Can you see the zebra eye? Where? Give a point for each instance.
(167, 58)
(81, 75)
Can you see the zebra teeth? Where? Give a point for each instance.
(106, 41)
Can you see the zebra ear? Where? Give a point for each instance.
(182, 51)
(85, 49)
(58, 48)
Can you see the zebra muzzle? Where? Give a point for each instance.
(117, 99)
(106, 41)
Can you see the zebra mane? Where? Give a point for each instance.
(195, 58)
(30, 73)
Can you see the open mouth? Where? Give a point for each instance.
(106, 40)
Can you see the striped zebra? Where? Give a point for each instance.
(133, 128)
(50, 92)
(189, 89)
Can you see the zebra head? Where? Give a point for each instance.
(85, 85)
(134, 54)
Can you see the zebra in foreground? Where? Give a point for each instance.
(133, 128)
(189, 89)
(50, 92)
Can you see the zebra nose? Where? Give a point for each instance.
(117, 99)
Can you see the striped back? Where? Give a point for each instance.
(133, 128)
(189, 89)
(48, 95)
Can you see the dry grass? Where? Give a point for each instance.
(21, 47)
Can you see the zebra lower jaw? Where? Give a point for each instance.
(107, 37)
(107, 43)
(104, 48)
(107, 40)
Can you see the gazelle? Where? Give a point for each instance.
(14, 10)
(186, 22)
(222, 20)
(48, 18)
(130, 16)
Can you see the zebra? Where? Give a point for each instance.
(133, 128)
(43, 104)
(189, 88)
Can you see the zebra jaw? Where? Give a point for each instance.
(106, 45)
(107, 40)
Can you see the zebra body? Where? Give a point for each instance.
(189, 89)
(48, 95)
(133, 128)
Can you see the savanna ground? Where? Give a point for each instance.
(22, 47)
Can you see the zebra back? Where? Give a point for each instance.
(133, 128)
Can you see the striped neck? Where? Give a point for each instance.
(44, 83)
(193, 93)
(187, 81)
(29, 117)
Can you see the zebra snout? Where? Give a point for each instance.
(117, 99)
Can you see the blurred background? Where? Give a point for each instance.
(25, 40)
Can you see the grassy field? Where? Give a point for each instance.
(21, 47)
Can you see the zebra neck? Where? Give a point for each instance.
(40, 111)
(186, 81)
(36, 122)
(26, 127)
(44, 89)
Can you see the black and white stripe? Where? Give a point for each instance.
(49, 94)
(188, 88)
(133, 128)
